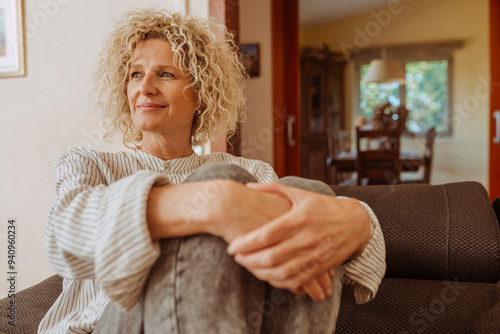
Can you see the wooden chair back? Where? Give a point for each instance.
(429, 152)
(335, 147)
(380, 164)
(333, 143)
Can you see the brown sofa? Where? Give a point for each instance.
(443, 265)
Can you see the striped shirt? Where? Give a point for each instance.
(97, 237)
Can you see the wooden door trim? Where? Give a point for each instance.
(286, 97)
(494, 151)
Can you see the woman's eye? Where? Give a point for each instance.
(166, 75)
(135, 75)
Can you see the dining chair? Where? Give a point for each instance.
(336, 150)
(379, 163)
(333, 151)
(429, 152)
(430, 138)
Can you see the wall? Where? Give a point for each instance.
(463, 156)
(49, 111)
(257, 135)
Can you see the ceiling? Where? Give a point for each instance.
(317, 12)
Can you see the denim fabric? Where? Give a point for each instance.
(196, 287)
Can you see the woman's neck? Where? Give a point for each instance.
(166, 151)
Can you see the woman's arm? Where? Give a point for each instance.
(222, 208)
(108, 232)
(97, 230)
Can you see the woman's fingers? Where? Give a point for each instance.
(315, 290)
(262, 237)
(319, 288)
(325, 281)
(275, 188)
(291, 245)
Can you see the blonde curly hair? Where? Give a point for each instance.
(203, 47)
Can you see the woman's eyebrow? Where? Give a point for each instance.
(135, 67)
(156, 68)
(169, 67)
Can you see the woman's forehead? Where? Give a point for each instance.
(153, 48)
(156, 54)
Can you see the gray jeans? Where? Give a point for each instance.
(196, 287)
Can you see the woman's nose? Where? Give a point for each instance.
(148, 85)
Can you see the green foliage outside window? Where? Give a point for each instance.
(374, 94)
(426, 95)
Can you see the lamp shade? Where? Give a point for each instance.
(385, 70)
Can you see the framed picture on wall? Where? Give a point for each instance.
(250, 56)
(11, 38)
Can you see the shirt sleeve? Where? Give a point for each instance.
(99, 231)
(366, 271)
(265, 173)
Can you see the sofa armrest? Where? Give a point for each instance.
(31, 305)
(435, 232)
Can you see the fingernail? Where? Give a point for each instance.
(328, 291)
(230, 250)
(321, 296)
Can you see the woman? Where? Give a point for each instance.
(148, 228)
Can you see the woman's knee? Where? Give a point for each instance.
(221, 171)
(306, 184)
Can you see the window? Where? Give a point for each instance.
(427, 92)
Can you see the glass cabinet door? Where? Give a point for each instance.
(316, 113)
(334, 102)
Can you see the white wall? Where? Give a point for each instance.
(257, 133)
(49, 111)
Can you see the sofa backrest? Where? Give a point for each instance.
(435, 232)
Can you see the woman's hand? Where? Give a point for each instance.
(235, 210)
(239, 210)
(318, 233)
(222, 208)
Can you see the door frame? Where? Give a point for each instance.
(494, 150)
(286, 89)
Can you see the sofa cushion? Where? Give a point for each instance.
(436, 232)
(31, 305)
(489, 321)
(416, 306)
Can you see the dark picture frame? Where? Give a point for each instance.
(250, 56)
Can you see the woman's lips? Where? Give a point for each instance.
(149, 106)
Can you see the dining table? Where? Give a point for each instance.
(345, 162)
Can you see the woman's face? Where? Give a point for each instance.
(158, 102)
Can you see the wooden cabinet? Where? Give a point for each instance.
(322, 95)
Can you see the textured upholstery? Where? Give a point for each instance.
(435, 232)
(443, 263)
(443, 260)
(489, 321)
(31, 306)
(416, 306)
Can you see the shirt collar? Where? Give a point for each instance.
(193, 160)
